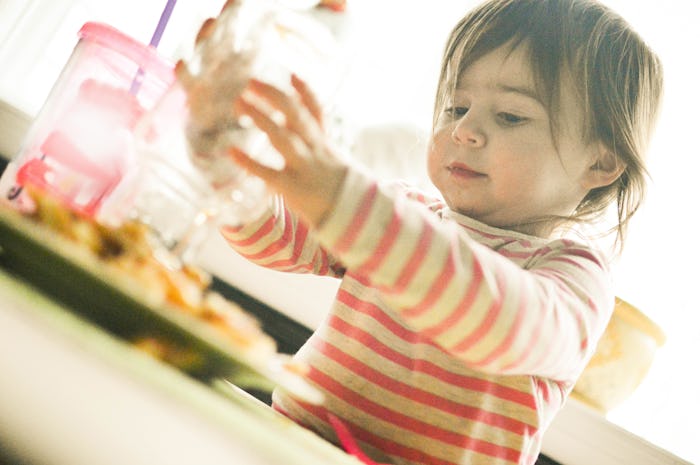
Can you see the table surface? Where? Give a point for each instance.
(67, 382)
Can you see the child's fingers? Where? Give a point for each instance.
(206, 30)
(228, 4)
(281, 138)
(251, 166)
(308, 98)
(208, 25)
(297, 118)
(182, 73)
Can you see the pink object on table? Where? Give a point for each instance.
(80, 146)
(348, 441)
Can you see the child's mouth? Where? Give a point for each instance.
(463, 171)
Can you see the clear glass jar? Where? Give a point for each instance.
(242, 45)
(187, 179)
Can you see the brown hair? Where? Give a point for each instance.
(618, 79)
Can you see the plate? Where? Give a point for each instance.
(100, 294)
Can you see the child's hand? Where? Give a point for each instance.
(312, 173)
(205, 30)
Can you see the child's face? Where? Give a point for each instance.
(493, 155)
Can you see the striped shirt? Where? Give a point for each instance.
(449, 341)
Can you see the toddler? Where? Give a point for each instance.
(462, 323)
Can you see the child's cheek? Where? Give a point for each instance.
(436, 155)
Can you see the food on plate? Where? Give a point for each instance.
(136, 259)
(334, 5)
(182, 357)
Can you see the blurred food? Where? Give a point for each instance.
(137, 259)
(182, 357)
(335, 5)
(622, 359)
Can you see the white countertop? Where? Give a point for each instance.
(73, 395)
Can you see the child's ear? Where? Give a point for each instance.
(605, 169)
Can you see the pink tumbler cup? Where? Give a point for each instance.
(79, 148)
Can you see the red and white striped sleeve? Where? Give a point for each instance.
(492, 313)
(280, 241)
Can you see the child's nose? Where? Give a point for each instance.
(467, 130)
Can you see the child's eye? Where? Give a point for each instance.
(511, 119)
(456, 112)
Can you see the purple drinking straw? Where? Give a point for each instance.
(155, 40)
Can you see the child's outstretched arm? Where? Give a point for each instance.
(278, 239)
(308, 181)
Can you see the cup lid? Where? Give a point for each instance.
(143, 55)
